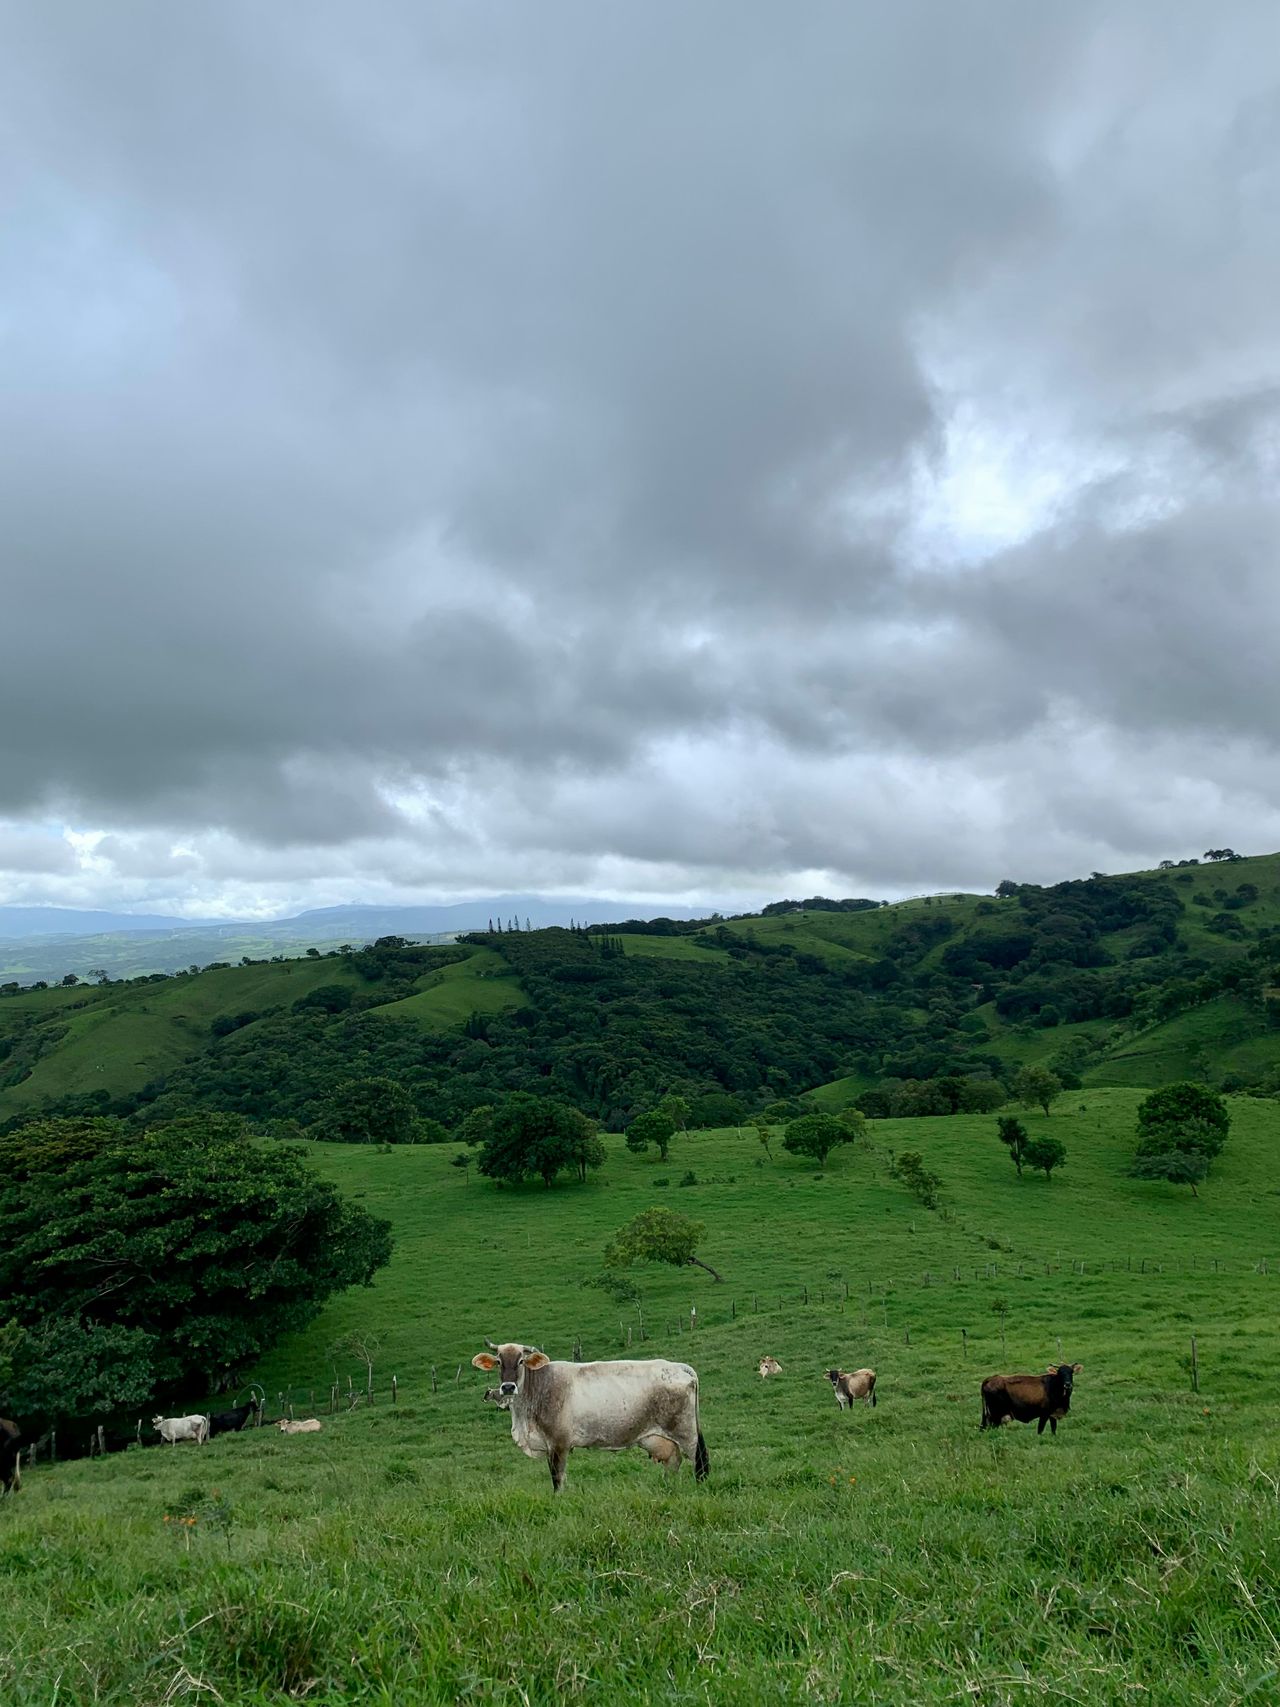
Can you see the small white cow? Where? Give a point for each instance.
(311, 1426)
(769, 1366)
(174, 1429)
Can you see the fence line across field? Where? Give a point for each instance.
(878, 1293)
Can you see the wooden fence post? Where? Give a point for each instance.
(733, 1310)
(964, 1338)
(434, 1387)
(102, 1442)
(395, 1391)
(457, 1375)
(906, 1336)
(1195, 1368)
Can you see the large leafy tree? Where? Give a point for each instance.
(654, 1127)
(1046, 1154)
(529, 1136)
(1179, 1167)
(369, 1111)
(1036, 1087)
(1186, 1117)
(659, 1235)
(182, 1252)
(816, 1135)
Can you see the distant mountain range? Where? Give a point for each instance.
(48, 942)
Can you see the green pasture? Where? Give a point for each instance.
(446, 998)
(119, 1036)
(409, 1554)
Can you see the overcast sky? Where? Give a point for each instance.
(699, 452)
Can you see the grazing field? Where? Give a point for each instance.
(410, 1554)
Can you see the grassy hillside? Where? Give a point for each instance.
(1134, 980)
(894, 1556)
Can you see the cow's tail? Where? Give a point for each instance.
(701, 1458)
(873, 1393)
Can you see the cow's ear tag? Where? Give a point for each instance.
(482, 1360)
(536, 1360)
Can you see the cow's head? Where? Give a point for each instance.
(156, 1421)
(833, 1375)
(513, 1362)
(1062, 1377)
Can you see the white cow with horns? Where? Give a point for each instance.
(557, 1407)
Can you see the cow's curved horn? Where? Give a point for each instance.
(491, 1345)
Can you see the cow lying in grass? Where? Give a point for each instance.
(769, 1366)
(311, 1426)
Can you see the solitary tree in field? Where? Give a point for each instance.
(1013, 1135)
(1179, 1167)
(538, 1136)
(1036, 1087)
(659, 1235)
(1045, 1154)
(1185, 1117)
(655, 1127)
(816, 1135)
(764, 1134)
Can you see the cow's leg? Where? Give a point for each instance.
(557, 1458)
(1053, 1425)
(1041, 1423)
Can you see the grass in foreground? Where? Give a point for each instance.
(410, 1554)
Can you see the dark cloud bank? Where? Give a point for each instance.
(690, 452)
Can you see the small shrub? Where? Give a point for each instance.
(688, 1177)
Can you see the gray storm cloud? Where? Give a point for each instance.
(681, 451)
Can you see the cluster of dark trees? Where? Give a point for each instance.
(142, 1265)
(1181, 1129)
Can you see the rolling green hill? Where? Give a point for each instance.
(1129, 980)
(895, 1556)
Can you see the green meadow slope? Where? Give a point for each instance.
(410, 1554)
(1135, 980)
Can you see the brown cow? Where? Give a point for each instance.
(556, 1407)
(10, 1457)
(861, 1384)
(1039, 1399)
(769, 1366)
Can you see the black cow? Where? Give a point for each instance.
(10, 1457)
(231, 1422)
(1029, 1398)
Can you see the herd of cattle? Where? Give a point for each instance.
(651, 1403)
(201, 1428)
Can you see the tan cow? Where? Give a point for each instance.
(769, 1366)
(860, 1384)
(557, 1407)
(311, 1426)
